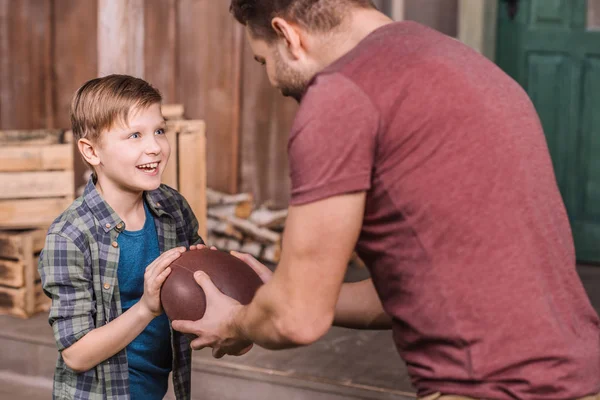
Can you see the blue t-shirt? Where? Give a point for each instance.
(149, 355)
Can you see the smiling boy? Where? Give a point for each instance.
(107, 256)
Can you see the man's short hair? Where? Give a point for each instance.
(314, 15)
(103, 102)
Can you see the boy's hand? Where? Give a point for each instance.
(201, 246)
(155, 275)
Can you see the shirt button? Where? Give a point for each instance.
(157, 204)
(115, 244)
(107, 226)
(119, 225)
(106, 286)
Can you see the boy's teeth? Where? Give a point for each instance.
(149, 166)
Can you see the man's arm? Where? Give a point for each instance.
(359, 307)
(297, 305)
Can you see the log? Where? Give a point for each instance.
(271, 253)
(263, 235)
(252, 248)
(214, 198)
(264, 217)
(224, 228)
(240, 210)
(217, 241)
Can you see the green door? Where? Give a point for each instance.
(552, 48)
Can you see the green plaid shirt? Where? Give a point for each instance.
(78, 267)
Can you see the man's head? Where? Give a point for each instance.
(294, 38)
(120, 131)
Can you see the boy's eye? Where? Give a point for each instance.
(159, 132)
(134, 135)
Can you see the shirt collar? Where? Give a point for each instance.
(107, 217)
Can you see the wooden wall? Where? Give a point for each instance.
(193, 51)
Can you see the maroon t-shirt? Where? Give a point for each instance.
(465, 233)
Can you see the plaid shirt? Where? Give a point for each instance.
(78, 267)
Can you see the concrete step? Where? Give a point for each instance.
(19, 387)
(343, 365)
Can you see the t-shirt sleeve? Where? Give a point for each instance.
(333, 140)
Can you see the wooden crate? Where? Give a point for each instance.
(186, 170)
(21, 292)
(36, 177)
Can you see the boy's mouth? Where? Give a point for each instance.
(150, 167)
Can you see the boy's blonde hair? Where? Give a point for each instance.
(102, 103)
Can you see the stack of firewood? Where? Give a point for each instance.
(234, 223)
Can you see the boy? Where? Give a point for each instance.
(107, 256)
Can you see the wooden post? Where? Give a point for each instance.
(477, 25)
(121, 37)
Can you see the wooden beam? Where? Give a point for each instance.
(27, 213)
(35, 158)
(121, 37)
(23, 185)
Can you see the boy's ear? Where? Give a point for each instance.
(88, 151)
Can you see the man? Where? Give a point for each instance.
(431, 162)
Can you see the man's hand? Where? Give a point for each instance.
(261, 270)
(216, 328)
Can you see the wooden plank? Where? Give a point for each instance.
(12, 273)
(19, 303)
(187, 125)
(169, 176)
(27, 213)
(33, 137)
(42, 302)
(172, 111)
(36, 158)
(25, 64)
(209, 82)
(23, 185)
(13, 243)
(29, 274)
(192, 173)
(12, 301)
(267, 118)
(160, 47)
(75, 61)
(121, 37)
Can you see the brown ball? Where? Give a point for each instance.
(183, 299)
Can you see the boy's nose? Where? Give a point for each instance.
(153, 147)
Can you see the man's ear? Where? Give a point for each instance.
(88, 151)
(292, 36)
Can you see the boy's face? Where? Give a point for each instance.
(132, 158)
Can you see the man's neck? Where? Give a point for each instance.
(359, 24)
